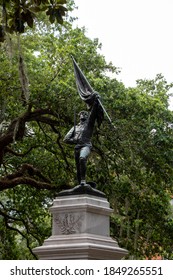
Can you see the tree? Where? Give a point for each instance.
(17, 14)
(35, 164)
(132, 164)
(143, 161)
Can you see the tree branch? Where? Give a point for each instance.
(9, 150)
(11, 183)
(25, 176)
(23, 235)
(16, 129)
(28, 169)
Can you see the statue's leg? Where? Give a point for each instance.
(77, 155)
(84, 153)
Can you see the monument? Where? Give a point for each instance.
(81, 226)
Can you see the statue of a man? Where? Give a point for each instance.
(80, 135)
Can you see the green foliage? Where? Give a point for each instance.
(17, 14)
(140, 166)
(131, 162)
(22, 226)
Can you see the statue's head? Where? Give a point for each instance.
(83, 115)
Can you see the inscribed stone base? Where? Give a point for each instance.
(80, 230)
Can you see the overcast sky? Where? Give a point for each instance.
(136, 35)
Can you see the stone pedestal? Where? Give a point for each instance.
(80, 230)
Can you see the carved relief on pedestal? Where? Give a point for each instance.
(69, 223)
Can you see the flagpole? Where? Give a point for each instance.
(106, 114)
(105, 111)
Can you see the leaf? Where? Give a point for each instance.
(49, 11)
(61, 1)
(59, 18)
(62, 11)
(10, 22)
(62, 8)
(29, 19)
(36, 9)
(44, 8)
(59, 13)
(52, 17)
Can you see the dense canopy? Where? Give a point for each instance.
(131, 162)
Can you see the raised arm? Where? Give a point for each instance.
(94, 110)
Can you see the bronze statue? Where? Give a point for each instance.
(80, 135)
